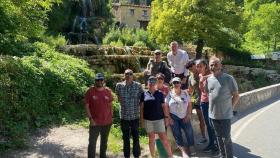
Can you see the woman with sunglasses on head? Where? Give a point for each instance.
(164, 88)
(180, 109)
(154, 115)
(204, 72)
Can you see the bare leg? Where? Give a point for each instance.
(152, 143)
(184, 154)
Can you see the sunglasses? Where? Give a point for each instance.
(152, 81)
(158, 54)
(129, 74)
(176, 82)
(160, 78)
(99, 80)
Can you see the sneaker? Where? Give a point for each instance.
(202, 141)
(192, 151)
(208, 149)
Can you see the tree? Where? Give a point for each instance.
(22, 21)
(264, 29)
(214, 23)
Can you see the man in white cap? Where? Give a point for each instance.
(98, 100)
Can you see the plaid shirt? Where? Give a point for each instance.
(129, 96)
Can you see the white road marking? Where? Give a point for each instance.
(243, 126)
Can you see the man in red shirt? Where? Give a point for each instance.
(99, 111)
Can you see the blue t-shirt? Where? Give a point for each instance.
(152, 105)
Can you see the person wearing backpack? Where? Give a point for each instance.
(180, 110)
(155, 66)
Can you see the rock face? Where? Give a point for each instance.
(252, 78)
(111, 59)
(116, 59)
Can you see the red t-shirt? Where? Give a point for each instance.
(164, 89)
(100, 105)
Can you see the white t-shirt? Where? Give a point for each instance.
(178, 62)
(178, 105)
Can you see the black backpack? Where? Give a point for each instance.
(166, 71)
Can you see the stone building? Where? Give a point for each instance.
(133, 14)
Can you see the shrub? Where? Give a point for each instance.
(38, 90)
(129, 37)
(139, 44)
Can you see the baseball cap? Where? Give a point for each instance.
(99, 76)
(157, 51)
(176, 79)
(152, 79)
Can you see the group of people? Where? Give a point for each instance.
(193, 84)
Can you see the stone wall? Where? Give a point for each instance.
(252, 98)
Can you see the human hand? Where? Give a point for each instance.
(170, 121)
(187, 118)
(106, 97)
(92, 122)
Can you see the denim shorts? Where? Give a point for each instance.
(156, 126)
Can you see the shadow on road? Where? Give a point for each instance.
(242, 152)
(259, 106)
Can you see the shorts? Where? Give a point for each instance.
(156, 126)
(195, 106)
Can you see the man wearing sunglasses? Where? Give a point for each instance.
(155, 66)
(98, 101)
(129, 93)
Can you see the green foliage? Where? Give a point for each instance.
(264, 29)
(129, 37)
(139, 44)
(214, 22)
(38, 90)
(22, 22)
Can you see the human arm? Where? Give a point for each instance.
(87, 106)
(142, 114)
(92, 122)
(189, 112)
(235, 99)
(234, 92)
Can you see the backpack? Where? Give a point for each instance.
(166, 71)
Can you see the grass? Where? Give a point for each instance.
(115, 142)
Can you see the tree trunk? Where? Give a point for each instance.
(199, 48)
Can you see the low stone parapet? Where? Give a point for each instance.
(250, 99)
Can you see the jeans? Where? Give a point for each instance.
(177, 133)
(222, 129)
(94, 132)
(130, 127)
(204, 106)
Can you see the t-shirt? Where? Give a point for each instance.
(152, 105)
(220, 91)
(164, 89)
(194, 84)
(100, 105)
(157, 67)
(202, 84)
(178, 105)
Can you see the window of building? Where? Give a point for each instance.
(131, 12)
(145, 13)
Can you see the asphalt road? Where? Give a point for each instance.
(257, 133)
